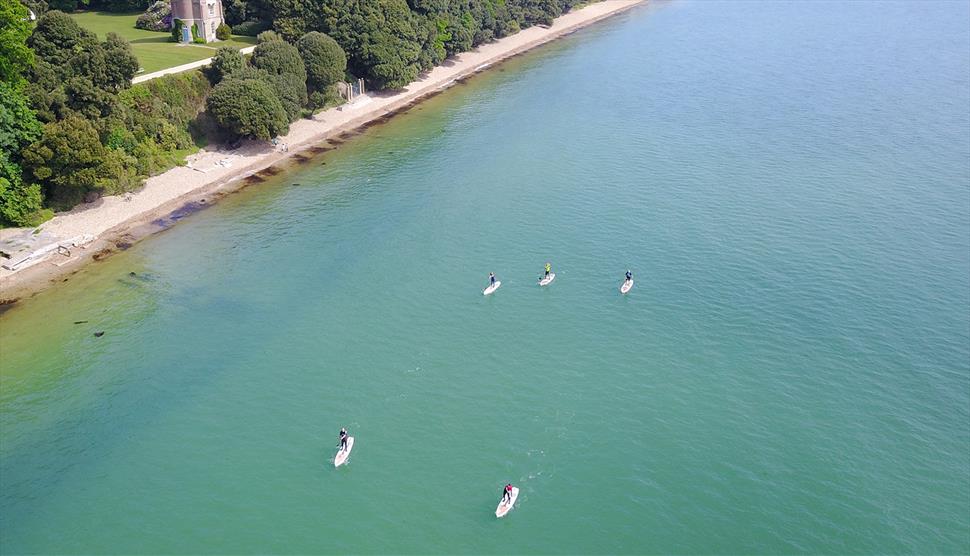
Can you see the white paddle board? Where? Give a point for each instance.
(492, 287)
(504, 508)
(342, 455)
(546, 280)
(627, 286)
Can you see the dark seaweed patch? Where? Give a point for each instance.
(124, 242)
(6, 305)
(253, 180)
(269, 171)
(178, 214)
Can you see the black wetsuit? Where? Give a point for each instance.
(343, 441)
(629, 277)
(506, 495)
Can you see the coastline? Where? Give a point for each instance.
(91, 232)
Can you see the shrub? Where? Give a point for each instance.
(158, 116)
(223, 32)
(267, 36)
(156, 17)
(249, 28)
(319, 100)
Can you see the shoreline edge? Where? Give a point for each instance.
(114, 223)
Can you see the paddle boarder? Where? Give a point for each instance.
(548, 269)
(629, 275)
(343, 439)
(491, 278)
(507, 494)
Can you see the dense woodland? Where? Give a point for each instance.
(72, 126)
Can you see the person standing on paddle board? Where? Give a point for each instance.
(491, 278)
(629, 275)
(507, 494)
(343, 439)
(548, 268)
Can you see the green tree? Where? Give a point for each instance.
(248, 107)
(18, 123)
(226, 61)
(279, 57)
(378, 36)
(234, 11)
(291, 92)
(63, 5)
(20, 204)
(121, 64)
(268, 36)
(323, 58)
(15, 57)
(69, 160)
(74, 72)
(46, 92)
(58, 38)
(86, 98)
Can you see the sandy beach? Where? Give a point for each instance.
(59, 247)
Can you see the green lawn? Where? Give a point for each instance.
(154, 50)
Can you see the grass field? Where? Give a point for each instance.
(154, 50)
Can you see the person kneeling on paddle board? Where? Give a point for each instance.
(629, 276)
(343, 439)
(548, 268)
(491, 278)
(507, 494)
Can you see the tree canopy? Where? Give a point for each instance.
(71, 123)
(15, 56)
(279, 57)
(70, 159)
(226, 61)
(248, 107)
(325, 61)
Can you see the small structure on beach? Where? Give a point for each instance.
(197, 19)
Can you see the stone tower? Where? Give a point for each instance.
(206, 15)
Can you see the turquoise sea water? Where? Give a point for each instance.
(790, 184)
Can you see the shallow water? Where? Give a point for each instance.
(790, 184)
